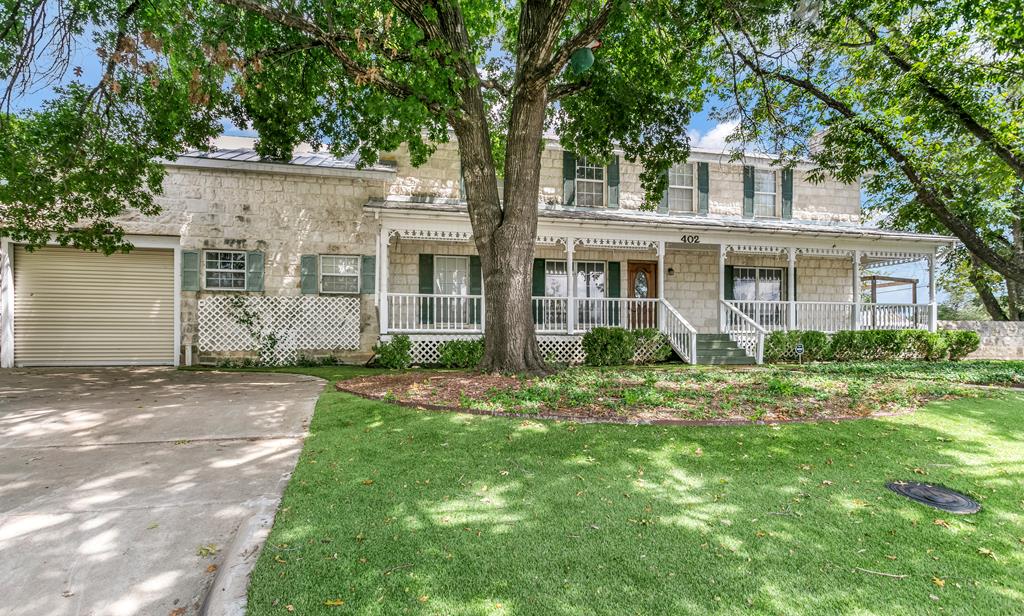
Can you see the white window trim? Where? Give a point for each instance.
(358, 275)
(571, 276)
(692, 188)
(604, 182)
(461, 257)
(245, 271)
(757, 281)
(774, 193)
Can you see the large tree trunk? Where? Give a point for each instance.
(984, 290)
(505, 233)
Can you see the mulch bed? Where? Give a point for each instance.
(462, 391)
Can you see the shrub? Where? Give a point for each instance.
(817, 346)
(396, 354)
(778, 345)
(461, 353)
(962, 342)
(609, 346)
(651, 344)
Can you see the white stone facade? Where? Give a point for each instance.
(286, 213)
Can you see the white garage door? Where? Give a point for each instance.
(74, 307)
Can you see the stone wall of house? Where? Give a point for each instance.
(999, 339)
(284, 216)
(828, 201)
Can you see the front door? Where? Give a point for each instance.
(643, 284)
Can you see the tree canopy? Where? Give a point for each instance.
(921, 99)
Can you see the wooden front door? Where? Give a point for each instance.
(642, 279)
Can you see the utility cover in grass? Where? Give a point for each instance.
(936, 496)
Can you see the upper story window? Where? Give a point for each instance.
(764, 194)
(681, 188)
(590, 181)
(224, 270)
(339, 274)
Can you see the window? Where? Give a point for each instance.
(680, 188)
(589, 183)
(224, 270)
(764, 193)
(451, 275)
(339, 274)
(758, 284)
(556, 279)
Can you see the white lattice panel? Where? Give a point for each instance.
(560, 349)
(305, 323)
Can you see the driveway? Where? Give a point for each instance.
(121, 489)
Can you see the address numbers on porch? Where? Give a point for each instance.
(690, 239)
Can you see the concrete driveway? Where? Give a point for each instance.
(113, 480)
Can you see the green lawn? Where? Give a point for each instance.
(395, 511)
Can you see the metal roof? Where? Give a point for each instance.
(319, 160)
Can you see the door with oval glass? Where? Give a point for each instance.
(642, 279)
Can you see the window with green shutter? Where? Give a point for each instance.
(568, 178)
(703, 188)
(426, 288)
(613, 182)
(368, 275)
(308, 276)
(787, 193)
(254, 271)
(748, 191)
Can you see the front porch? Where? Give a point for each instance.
(736, 285)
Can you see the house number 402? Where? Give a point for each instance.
(690, 239)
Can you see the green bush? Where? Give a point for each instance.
(396, 354)
(653, 340)
(461, 353)
(872, 345)
(962, 342)
(609, 346)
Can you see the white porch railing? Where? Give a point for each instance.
(772, 316)
(825, 316)
(423, 313)
(895, 316)
(551, 314)
(834, 316)
(681, 335)
(743, 330)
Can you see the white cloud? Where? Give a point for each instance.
(714, 139)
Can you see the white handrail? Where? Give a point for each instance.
(681, 335)
(744, 330)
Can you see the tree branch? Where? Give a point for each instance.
(1010, 267)
(947, 102)
(589, 32)
(562, 90)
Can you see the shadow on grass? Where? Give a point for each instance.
(394, 510)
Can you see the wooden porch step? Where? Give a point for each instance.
(719, 349)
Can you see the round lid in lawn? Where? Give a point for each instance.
(936, 496)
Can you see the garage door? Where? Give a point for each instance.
(73, 307)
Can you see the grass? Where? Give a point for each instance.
(397, 511)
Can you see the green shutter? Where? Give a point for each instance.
(368, 275)
(748, 191)
(795, 298)
(613, 183)
(308, 274)
(568, 178)
(254, 271)
(728, 282)
(614, 289)
(426, 288)
(787, 193)
(539, 284)
(703, 188)
(476, 287)
(663, 206)
(189, 270)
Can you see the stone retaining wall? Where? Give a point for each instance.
(999, 339)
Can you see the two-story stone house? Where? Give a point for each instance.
(317, 256)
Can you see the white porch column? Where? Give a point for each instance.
(933, 307)
(383, 269)
(661, 269)
(791, 289)
(7, 306)
(855, 319)
(570, 274)
(721, 287)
